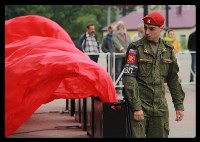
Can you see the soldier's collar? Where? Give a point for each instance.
(154, 43)
(164, 49)
(147, 49)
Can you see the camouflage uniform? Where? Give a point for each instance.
(144, 76)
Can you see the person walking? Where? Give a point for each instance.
(149, 62)
(107, 45)
(88, 42)
(192, 47)
(121, 40)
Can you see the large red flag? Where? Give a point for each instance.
(43, 64)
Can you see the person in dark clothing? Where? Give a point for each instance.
(192, 47)
(107, 45)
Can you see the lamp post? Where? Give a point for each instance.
(108, 16)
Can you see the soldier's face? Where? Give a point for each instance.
(153, 32)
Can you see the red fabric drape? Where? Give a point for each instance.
(43, 64)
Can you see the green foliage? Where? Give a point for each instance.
(126, 10)
(73, 18)
(184, 44)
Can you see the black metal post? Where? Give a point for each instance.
(128, 118)
(145, 10)
(67, 105)
(167, 17)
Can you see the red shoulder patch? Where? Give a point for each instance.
(131, 56)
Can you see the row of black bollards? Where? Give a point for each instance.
(99, 119)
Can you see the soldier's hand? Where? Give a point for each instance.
(138, 115)
(179, 115)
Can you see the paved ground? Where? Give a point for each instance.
(49, 121)
(187, 127)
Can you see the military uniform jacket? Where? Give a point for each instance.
(145, 74)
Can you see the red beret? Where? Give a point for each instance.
(154, 18)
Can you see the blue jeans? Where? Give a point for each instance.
(193, 66)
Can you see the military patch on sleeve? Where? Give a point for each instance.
(131, 56)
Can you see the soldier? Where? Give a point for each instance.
(149, 62)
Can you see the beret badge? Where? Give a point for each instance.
(148, 21)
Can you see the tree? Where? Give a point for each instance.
(73, 18)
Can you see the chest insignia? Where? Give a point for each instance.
(131, 56)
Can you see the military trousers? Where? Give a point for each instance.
(150, 127)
